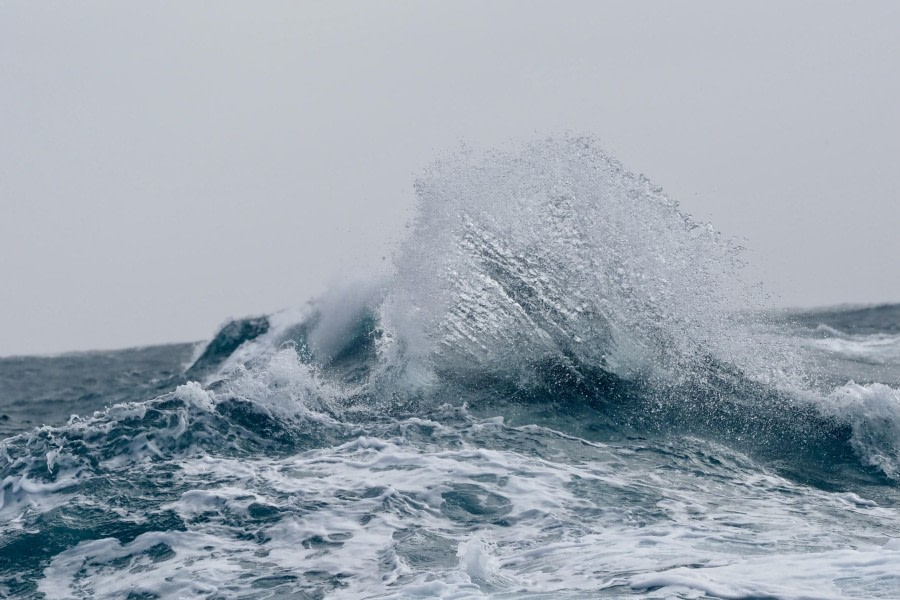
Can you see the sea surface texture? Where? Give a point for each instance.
(564, 390)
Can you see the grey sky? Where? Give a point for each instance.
(164, 166)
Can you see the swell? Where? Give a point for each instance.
(555, 277)
(852, 320)
(550, 282)
(836, 441)
(548, 285)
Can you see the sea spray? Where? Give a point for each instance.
(565, 390)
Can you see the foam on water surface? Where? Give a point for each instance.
(453, 512)
(563, 391)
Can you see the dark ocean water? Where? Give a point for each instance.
(47, 390)
(562, 391)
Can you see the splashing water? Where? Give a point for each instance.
(563, 391)
(558, 253)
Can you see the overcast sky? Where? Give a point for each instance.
(164, 166)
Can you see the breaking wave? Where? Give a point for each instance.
(546, 302)
(553, 277)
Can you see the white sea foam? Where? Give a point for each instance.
(877, 349)
(277, 478)
(873, 411)
(265, 344)
(20, 493)
(456, 516)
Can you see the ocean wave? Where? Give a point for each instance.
(564, 389)
(553, 276)
(874, 349)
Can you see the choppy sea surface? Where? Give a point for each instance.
(563, 390)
